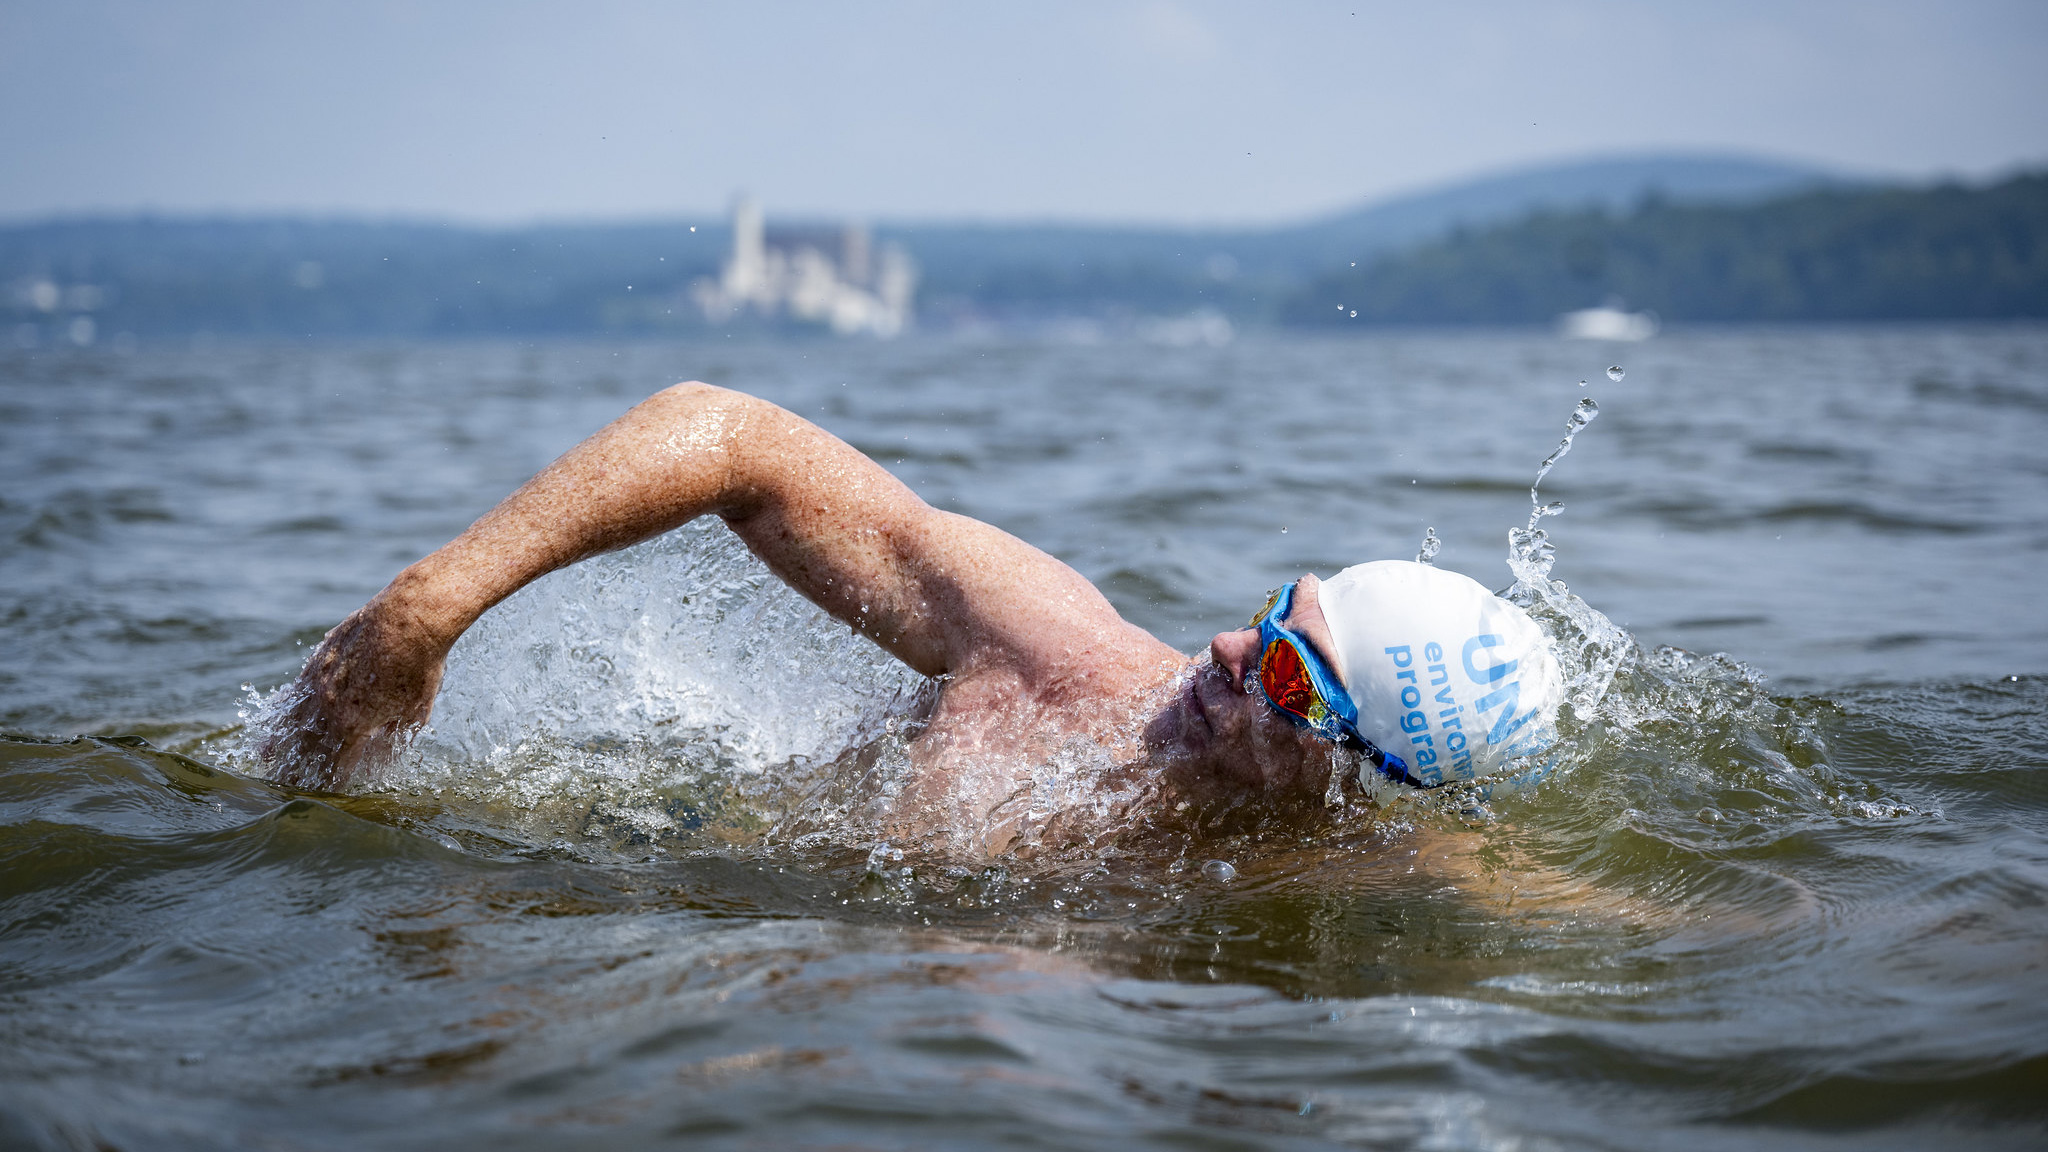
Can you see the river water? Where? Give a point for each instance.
(1789, 887)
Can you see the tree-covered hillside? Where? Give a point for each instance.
(1949, 252)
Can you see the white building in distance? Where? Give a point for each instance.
(793, 272)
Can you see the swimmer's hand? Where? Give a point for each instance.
(364, 693)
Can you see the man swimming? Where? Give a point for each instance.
(1394, 668)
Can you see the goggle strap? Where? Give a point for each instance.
(1392, 767)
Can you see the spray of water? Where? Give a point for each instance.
(1530, 553)
(675, 692)
(1590, 648)
(1659, 743)
(1430, 547)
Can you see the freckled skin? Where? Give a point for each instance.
(1032, 653)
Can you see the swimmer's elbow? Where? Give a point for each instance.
(692, 388)
(692, 394)
(696, 400)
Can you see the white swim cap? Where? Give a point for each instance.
(1446, 675)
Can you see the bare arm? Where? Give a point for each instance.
(943, 593)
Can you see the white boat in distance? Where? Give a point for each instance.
(1607, 322)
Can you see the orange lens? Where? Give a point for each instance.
(1285, 679)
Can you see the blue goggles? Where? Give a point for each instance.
(1295, 681)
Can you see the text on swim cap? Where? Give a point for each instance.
(1493, 673)
(1450, 723)
(1415, 722)
(1454, 739)
(1504, 697)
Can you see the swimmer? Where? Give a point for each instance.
(1392, 668)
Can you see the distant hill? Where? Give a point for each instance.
(1008, 269)
(1612, 183)
(1949, 252)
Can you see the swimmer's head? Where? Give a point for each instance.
(1439, 679)
(1447, 676)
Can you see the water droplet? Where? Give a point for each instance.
(1221, 871)
(1430, 547)
(1616, 372)
(1354, 313)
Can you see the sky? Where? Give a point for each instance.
(1170, 111)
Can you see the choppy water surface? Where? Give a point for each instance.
(1796, 895)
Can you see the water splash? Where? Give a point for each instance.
(674, 692)
(1529, 548)
(1591, 650)
(1430, 547)
(1585, 413)
(1691, 740)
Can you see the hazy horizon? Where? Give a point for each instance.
(1136, 113)
(719, 215)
